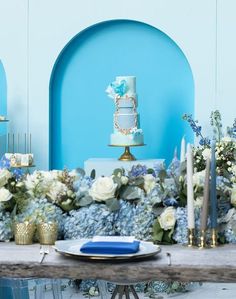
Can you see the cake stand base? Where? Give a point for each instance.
(127, 156)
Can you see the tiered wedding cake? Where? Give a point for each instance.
(127, 130)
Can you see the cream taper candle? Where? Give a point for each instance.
(190, 197)
(182, 150)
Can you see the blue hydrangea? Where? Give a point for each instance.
(230, 235)
(124, 224)
(181, 230)
(4, 162)
(170, 202)
(138, 170)
(6, 232)
(89, 221)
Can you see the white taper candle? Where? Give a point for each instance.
(182, 150)
(190, 197)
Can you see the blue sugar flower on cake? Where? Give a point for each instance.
(120, 88)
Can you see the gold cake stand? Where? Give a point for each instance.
(126, 156)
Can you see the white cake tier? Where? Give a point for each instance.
(125, 121)
(130, 139)
(131, 83)
(127, 102)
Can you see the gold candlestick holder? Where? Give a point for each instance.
(191, 237)
(202, 243)
(126, 156)
(213, 238)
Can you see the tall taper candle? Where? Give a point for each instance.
(213, 198)
(204, 215)
(190, 198)
(182, 150)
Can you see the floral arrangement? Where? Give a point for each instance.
(147, 203)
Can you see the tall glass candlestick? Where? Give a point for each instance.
(213, 198)
(182, 150)
(190, 197)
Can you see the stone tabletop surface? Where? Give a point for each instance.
(187, 264)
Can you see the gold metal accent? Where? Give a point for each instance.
(23, 233)
(47, 233)
(213, 238)
(127, 156)
(202, 239)
(191, 237)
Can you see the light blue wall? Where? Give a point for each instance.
(81, 115)
(3, 108)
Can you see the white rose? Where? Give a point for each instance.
(57, 188)
(199, 178)
(206, 153)
(124, 180)
(167, 219)
(5, 195)
(233, 195)
(103, 188)
(5, 175)
(149, 183)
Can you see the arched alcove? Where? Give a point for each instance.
(3, 108)
(81, 115)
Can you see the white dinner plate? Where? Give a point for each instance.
(72, 248)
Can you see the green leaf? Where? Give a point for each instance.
(85, 201)
(113, 204)
(157, 209)
(150, 171)
(131, 193)
(162, 175)
(158, 232)
(118, 172)
(93, 174)
(80, 171)
(138, 181)
(167, 237)
(117, 180)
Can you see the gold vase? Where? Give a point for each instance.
(47, 233)
(24, 233)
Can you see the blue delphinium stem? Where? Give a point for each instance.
(196, 129)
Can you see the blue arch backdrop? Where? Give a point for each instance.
(81, 115)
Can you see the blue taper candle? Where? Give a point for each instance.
(213, 198)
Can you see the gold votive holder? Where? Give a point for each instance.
(213, 238)
(24, 233)
(191, 237)
(47, 233)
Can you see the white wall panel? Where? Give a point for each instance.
(13, 54)
(226, 100)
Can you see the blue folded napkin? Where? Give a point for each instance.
(110, 247)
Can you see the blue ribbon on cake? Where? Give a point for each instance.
(110, 247)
